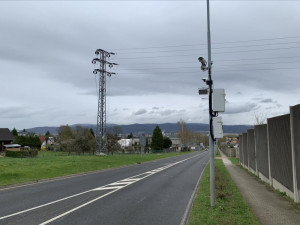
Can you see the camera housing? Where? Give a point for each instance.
(203, 62)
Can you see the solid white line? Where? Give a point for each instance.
(105, 187)
(108, 188)
(49, 203)
(121, 182)
(136, 179)
(72, 210)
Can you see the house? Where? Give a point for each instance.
(6, 138)
(12, 147)
(176, 144)
(125, 143)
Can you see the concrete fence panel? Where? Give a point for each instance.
(295, 141)
(261, 147)
(241, 149)
(245, 152)
(281, 153)
(251, 150)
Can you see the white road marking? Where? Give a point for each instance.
(115, 186)
(72, 210)
(40, 206)
(147, 174)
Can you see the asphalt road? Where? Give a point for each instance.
(157, 192)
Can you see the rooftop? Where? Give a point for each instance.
(6, 135)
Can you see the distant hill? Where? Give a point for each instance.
(148, 128)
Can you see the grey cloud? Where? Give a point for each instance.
(268, 100)
(169, 112)
(140, 112)
(15, 112)
(240, 108)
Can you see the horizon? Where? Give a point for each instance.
(111, 125)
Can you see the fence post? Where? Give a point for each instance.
(294, 122)
(269, 161)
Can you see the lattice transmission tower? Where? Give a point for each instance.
(100, 135)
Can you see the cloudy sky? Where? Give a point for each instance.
(46, 49)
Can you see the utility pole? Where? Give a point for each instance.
(100, 135)
(216, 99)
(211, 115)
(207, 66)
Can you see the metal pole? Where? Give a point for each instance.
(211, 141)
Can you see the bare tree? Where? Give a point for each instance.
(184, 134)
(260, 118)
(117, 130)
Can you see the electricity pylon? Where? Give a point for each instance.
(100, 134)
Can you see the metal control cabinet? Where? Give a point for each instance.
(218, 127)
(218, 100)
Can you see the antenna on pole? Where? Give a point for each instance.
(100, 135)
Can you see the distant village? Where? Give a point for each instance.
(82, 140)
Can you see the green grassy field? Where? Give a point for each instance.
(55, 164)
(230, 206)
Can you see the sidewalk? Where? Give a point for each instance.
(266, 205)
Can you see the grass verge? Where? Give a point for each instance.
(55, 164)
(235, 161)
(230, 206)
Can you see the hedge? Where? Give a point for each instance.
(22, 153)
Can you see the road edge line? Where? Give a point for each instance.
(184, 220)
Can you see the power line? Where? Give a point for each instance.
(226, 47)
(226, 65)
(254, 50)
(286, 68)
(196, 72)
(246, 59)
(216, 60)
(228, 42)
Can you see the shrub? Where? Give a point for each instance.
(22, 154)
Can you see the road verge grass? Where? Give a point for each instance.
(235, 161)
(56, 164)
(230, 206)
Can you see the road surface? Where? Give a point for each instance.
(157, 192)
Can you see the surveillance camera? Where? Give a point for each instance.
(204, 79)
(202, 60)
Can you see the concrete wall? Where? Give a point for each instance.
(272, 151)
(245, 152)
(280, 150)
(241, 149)
(230, 152)
(295, 141)
(261, 146)
(251, 150)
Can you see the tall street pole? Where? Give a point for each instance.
(211, 141)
